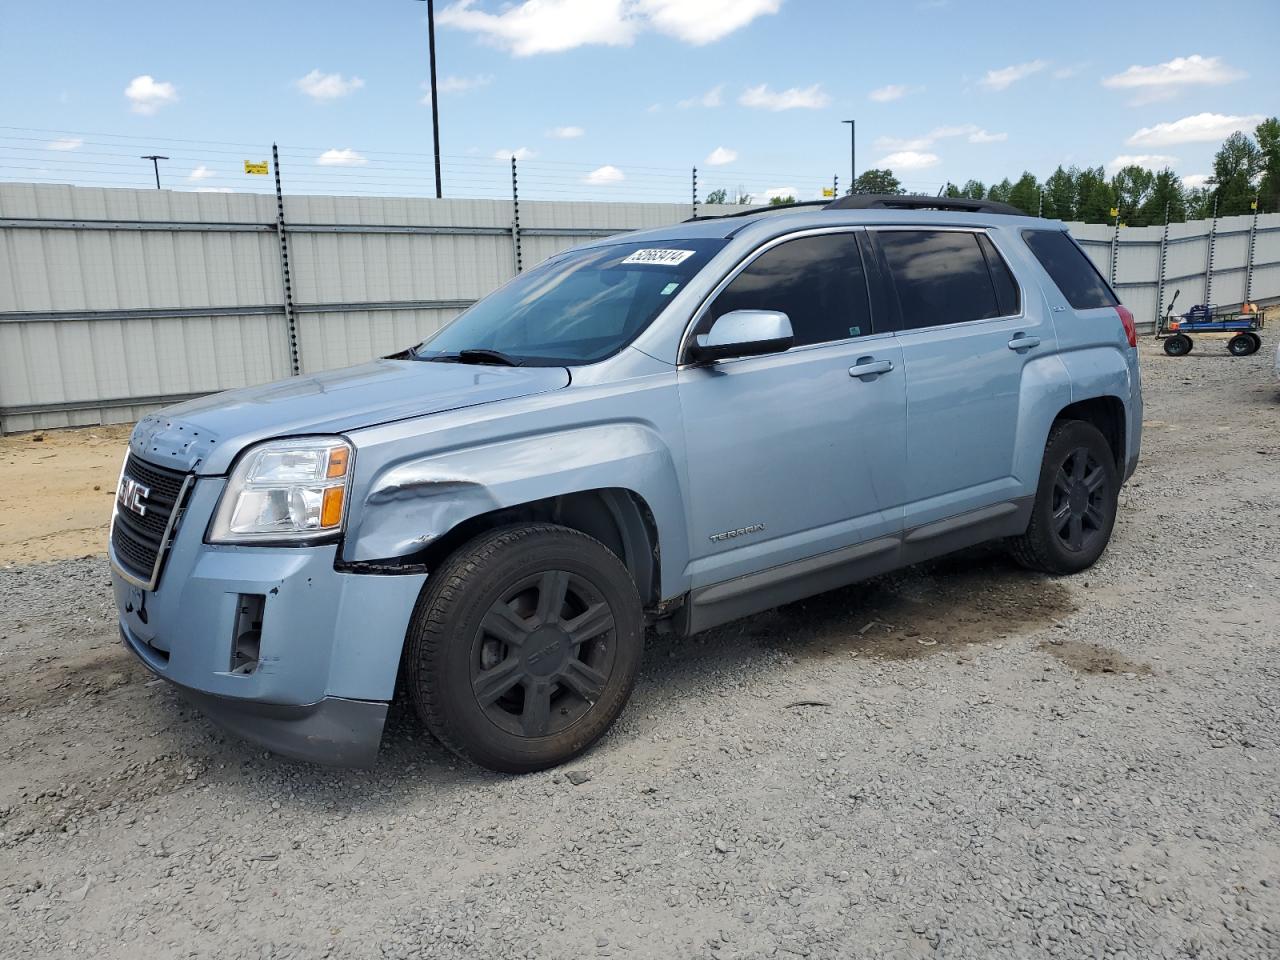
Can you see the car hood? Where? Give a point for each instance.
(205, 435)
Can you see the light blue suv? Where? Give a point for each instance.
(667, 429)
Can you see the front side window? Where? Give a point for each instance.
(941, 277)
(818, 282)
(578, 308)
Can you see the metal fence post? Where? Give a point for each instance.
(1115, 249)
(835, 185)
(291, 321)
(1253, 243)
(695, 193)
(1164, 259)
(1208, 265)
(515, 217)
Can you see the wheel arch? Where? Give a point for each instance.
(1107, 414)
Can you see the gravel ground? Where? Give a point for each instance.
(963, 760)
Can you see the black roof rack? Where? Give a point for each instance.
(881, 201)
(884, 201)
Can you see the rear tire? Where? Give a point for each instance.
(1243, 344)
(1179, 345)
(524, 647)
(1075, 506)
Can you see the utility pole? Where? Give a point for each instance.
(155, 159)
(435, 106)
(853, 160)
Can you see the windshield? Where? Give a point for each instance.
(574, 309)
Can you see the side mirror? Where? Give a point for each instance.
(743, 333)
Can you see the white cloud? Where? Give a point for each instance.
(893, 91)
(327, 86)
(701, 22)
(520, 153)
(1194, 70)
(147, 94)
(653, 108)
(1152, 161)
(545, 26)
(565, 133)
(214, 190)
(1202, 127)
(720, 156)
(201, 173)
(1006, 77)
(971, 131)
(1069, 71)
(551, 26)
(345, 157)
(807, 98)
(780, 192)
(604, 175)
(909, 160)
(712, 98)
(455, 84)
(65, 143)
(1195, 181)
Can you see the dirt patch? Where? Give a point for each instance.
(1094, 658)
(56, 490)
(54, 679)
(977, 597)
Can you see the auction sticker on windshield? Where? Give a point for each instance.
(659, 255)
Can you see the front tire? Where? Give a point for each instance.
(1243, 344)
(1179, 345)
(524, 647)
(1075, 506)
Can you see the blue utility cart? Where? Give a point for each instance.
(1240, 328)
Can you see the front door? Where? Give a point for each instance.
(966, 338)
(795, 454)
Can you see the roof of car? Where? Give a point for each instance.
(771, 221)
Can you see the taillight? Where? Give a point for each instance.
(1130, 330)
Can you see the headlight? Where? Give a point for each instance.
(293, 490)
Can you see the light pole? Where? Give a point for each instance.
(853, 164)
(435, 109)
(155, 159)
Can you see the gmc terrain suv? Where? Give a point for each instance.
(665, 429)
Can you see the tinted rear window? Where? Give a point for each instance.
(941, 276)
(1070, 268)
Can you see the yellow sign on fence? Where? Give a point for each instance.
(261, 169)
(1115, 212)
(828, 191)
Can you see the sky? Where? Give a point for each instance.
(619, 99)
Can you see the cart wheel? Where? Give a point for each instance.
(1179, 345)
(1257, 341)
(1241, 345)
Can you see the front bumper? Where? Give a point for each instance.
(328, 652)
(333, 730)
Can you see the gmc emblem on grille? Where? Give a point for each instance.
(132, 494)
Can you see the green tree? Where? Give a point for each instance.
(779, 201)
(877, 181)
(1166, 194)
(1060, 194)
(1000, 191)
(1199, 202)
(1132, 186)
(1094, 196)
(1267, 134)
(1025, 194)
(717, 196)
(1236, 168)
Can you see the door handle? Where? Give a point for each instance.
(869, 367)
(1023, 343)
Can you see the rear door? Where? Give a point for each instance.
(967, 334)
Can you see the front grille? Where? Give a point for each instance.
(139, 539)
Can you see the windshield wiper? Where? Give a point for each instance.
(478, 355)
